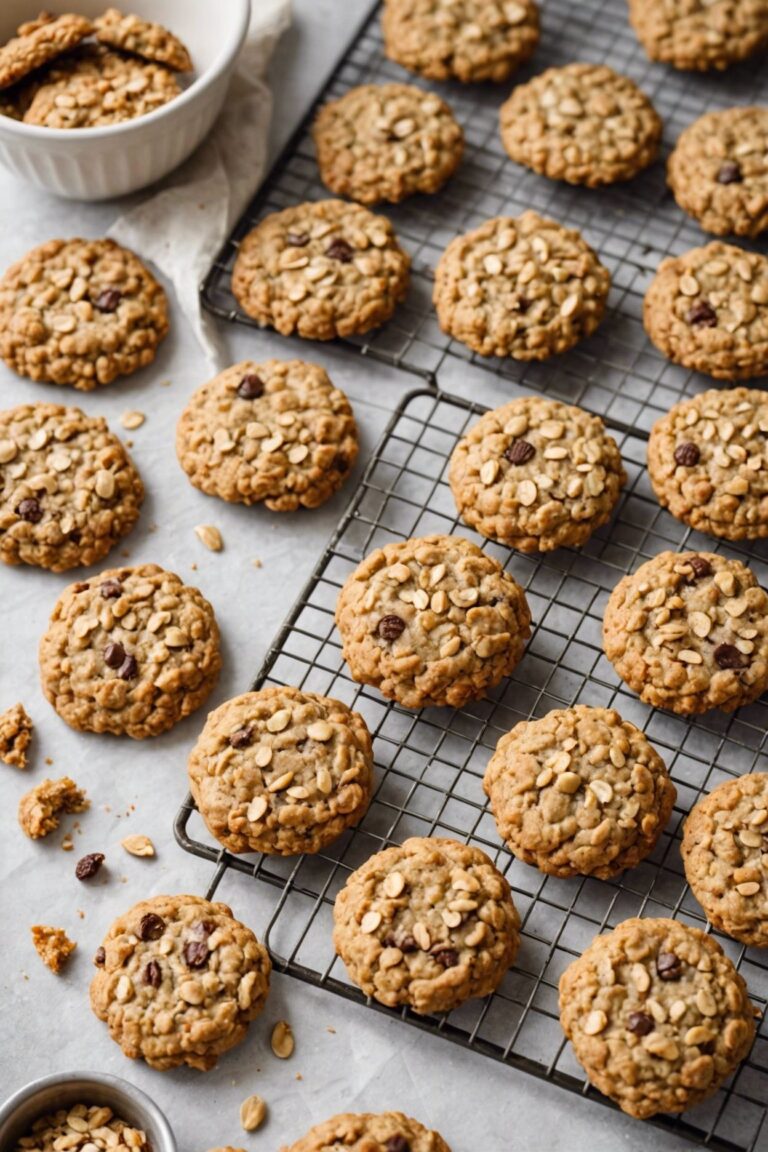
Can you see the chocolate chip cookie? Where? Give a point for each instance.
(718, 171)
(151, 41)
(700, 34)
(689, 631)
(579, 792)
(80, 312)
(536, 474)
(708, 465)
(321, 270)
(523, 287)
(277, 432)
(432, 621)
(657, 1014)
(179, 981)
(583, 123)
(429, 923)
(708, 310)
(467, 40)
(364, 1132)
(281, 771)
(386, 142)
(132, 651)
(725, 853)
(38, 42)
(68, 489)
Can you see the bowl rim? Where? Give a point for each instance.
(196, 88)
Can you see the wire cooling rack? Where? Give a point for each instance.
(617, 372)
(430, 764)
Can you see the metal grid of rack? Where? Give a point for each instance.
(430, 764)
(617, 372)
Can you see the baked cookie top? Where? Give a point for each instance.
(583, 123)
(524, 287)
(579, 792)
(178, 981)
(80, 312)
(277, 432)
(718, 171)
(708, 310)
(364, 1131)
(657, 1014)
(432, 620)
(708, 462)
(131, 651)
(322, 270)
(468, 40)
(386, 142)
(700, 34)
(281, 771)
(428, 923)
(688, 631)
(536, 474)
(68, 488)
(151, 41)
(38, 42)
(725, 853)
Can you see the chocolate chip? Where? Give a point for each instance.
(108, 300)
(340, 250)
(129, 669)
(297, 239)
(447, 957)
(250, 387)
(99, 957)
(699, 568)
(89, 865)
(397, 1144)
(728, 656)
(29, 509)
(639, 1023)
(153, 974)
(114, 654)
(730, 173)
(111, 589)
(701, 315)
(519, 452)
(241, 738)
(151, 926)
(340, 463)
(687, 454)
(75, 536)
(390, 627)
(406, 943)
(196, 953)
(669, 966)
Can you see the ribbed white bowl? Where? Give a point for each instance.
(98, 163)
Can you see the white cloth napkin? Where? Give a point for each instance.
(181, 227)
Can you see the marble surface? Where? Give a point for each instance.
(367, 1062)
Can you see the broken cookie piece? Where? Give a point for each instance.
(41, 808)
(53, 946)
(15, 735)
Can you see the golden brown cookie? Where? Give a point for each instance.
(38, 42)
(370, 1132)
(151, 41)
(700, 34)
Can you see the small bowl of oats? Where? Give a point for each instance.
(83, 1110)
(97, 101)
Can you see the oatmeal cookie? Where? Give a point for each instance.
(583, 123)
(718, 171)
(688, 631)
(708, 464)
(579, 792)
(39, 42)
(130, 33)
(41, 809)
(432, 621)
(322, 270)
(68, 489)
(708, 310)
(725, 853)
(281, 771)
(368, 1131)
(179, 981)
(467, 40)
(386, 142)
(536, 474)
(15, 736)
(52, 945)
(80, 312)
(277, 432)
(523, 287)
(131, 651)
(657, 1014)
(429, 923)
(700, 34)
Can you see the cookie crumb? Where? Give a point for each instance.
(15, 735)
(53, 945)
(40, 809)
(138, 845)
(210, 536)
(257, 563)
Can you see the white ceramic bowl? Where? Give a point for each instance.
(98, 163)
